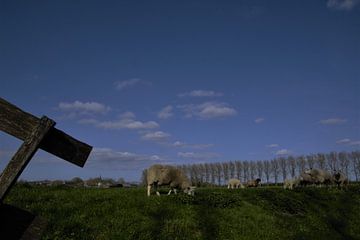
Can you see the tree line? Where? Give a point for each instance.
(271, 171)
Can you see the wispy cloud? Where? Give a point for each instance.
(208, 110)
(201, 93)
(283, 152)
(126, 121)
(347, 141)
(83, 108)
(180, 144)
(333, 121)
(166, 112)
(274, 145)
(157, 136)
(121, 85)
(108, 158)
(198, 155)
(342, 4)
(259, 120)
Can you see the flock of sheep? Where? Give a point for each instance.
(165, 175)
(317, 177)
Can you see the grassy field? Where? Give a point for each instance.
(213, 213)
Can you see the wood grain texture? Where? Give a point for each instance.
(22, 157)
(20, 124)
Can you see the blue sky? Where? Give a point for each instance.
(182, 81)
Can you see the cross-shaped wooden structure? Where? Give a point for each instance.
(36, 133)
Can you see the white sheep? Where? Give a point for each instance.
(235, 183)
(320, 176)
(165, 175)
(291, 183)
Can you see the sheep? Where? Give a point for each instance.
(253, 183)
(291, 183)
(165, 175)
(340, 179)
(320, 176)
(305, 179)
(234, 183)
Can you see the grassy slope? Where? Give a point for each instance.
(264, 213)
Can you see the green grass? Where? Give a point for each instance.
(213, 213)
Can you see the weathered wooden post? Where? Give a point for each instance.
(36, 133)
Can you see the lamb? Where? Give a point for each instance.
(165, 175)
(320, 176)
(340, 179)
(291, 183)
(234, 183)
(253, 183)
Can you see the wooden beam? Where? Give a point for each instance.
(18, 224)
(20, 124)
(22, 157)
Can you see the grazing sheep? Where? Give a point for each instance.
(234, 183)
(164, 175)
(305, 179)
(340, 179)
(253, 183)
(291, 183)
(320, 176)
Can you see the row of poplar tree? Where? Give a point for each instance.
(272, 171)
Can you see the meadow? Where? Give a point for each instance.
(213, 213)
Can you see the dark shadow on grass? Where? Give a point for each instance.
(339, 218)
(206, 218)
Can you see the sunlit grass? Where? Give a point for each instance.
(213, 213)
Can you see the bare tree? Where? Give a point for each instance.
(213, 173)
(344, 163)
(143, 178)
(332, 161)
(320, 161)
(225, 168)
(355, 160)
(232, 169)
(259, 168)
(207, 170)
(218, 172)
(275, 169)
(291, 165)
(252, 167)
(301, 163)
(239, 167)
(283, 166)
(267, 170)
(246, 170)
(311, 161)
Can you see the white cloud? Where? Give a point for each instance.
(274, 145)
(157, 136)
(259, 120)
(283, 152)
(81, 108)
(121, 85)
(111, 159)
(126, 121)
(166, 112)
(208, 110)
(347, 141)
(343, 141)
(194, 146)
(333, 121)
(342, 4)
(201, 93)
(197, 155)
(355, 143)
